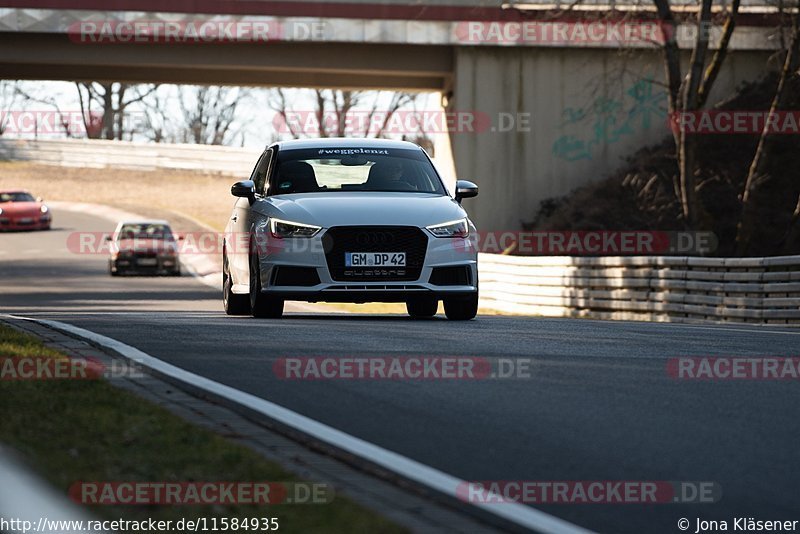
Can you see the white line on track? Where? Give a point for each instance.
(439, 481)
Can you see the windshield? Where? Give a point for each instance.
(354, 169)
(16, 197)
(145, 231)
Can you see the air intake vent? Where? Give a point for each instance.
(460, 275)
(294, 276)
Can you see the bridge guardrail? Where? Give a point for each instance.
(98, 153)
(657, 288)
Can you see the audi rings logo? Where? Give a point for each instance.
(374, 238)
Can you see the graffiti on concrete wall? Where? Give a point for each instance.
(605, 121)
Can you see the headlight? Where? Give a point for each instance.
(286, 229)
(1, 211)
(45, 209)
(459, 228)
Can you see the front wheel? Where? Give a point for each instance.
(461, 308)
(422, 308)
(234, 304)
(261, 305)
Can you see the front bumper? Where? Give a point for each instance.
(24, 223)
(373, 294)
(135, 265)
(449, 269)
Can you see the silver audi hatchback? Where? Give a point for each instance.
(349, 220)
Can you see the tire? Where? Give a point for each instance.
(234, 304)
(422, 308)
(461, 308)
(261, 305)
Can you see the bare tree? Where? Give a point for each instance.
(25, 97)
(689, 92)
(9, 96)
(278, 101)
(339, 113)
(103, 106)
(757, 176)
(157, 123)
(209, 114)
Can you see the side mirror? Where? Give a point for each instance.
(465, 189)
(244, 189)
(109, 238)
(39, 199)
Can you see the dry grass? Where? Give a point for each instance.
(201, 196)
(89, 430)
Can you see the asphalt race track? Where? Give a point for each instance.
(599, 404)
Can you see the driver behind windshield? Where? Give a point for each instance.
(388, 176)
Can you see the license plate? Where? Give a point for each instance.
(25, 221)
(147, 261)
(375, 259)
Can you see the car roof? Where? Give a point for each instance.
(144, 221)
(2, 191)
(344, 142)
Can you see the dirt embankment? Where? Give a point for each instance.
(179, 196)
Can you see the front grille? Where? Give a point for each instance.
(459, 275)
(341, 239)
(283, 275)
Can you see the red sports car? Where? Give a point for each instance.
(19, 210)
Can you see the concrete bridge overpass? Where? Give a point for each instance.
(562, 111)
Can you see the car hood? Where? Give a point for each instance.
(364, 208)
(21, 208)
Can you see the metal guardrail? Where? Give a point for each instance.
(673, 289)
(96, 153)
